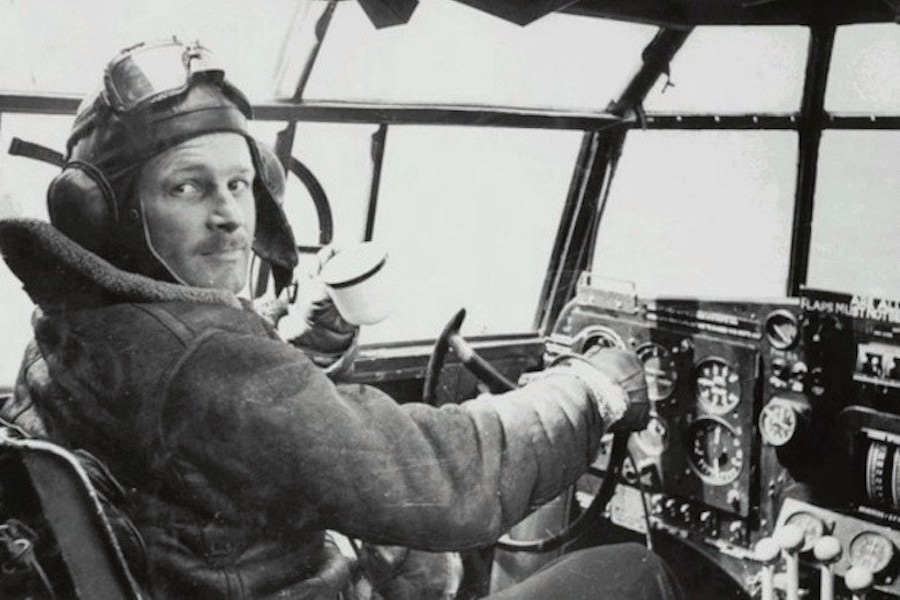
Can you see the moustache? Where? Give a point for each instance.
(220, 244)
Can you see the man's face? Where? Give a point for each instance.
(199, 209)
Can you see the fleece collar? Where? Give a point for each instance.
(60, 274)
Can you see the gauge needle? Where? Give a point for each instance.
(778, 334)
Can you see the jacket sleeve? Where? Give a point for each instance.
(272, 426)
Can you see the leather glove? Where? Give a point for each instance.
(625, 372)
(326, 330)
(625, 369)
(314, 324)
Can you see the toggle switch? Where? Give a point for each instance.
(858, 581)
(766, 552)
(827, 551)
(790, 539)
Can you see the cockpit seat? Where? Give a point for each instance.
(55, 539)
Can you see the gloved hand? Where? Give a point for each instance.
(617, 377)
(627, 371)
(326, 330)
(314, 324)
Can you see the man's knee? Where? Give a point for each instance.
(627, 571)
(614, 572)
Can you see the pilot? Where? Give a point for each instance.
(234, 451)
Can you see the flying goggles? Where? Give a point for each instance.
(148, 73)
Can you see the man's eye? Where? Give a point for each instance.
(238, 185)
(186, 188)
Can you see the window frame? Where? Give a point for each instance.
(604, 133)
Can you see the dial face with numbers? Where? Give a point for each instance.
(715, 451)
(777, 423)
(718, 386)
(871, 550)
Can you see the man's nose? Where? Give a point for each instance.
(226, 214)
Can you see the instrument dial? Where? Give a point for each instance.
(781, 329)
(812, 527)
(661, 370)
(718, 386)
(777, 423)
(871, 550)
(596, 336)
(715, 451)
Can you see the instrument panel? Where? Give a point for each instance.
(758, 408)
(702, 361)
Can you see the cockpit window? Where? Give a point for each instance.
(451, 53)
(864, 70)
(701, 213)
(855, 221)
(339, 157)
(469, 216)
(23, 182)
(23, 185)
(48, 46)
(735, 70)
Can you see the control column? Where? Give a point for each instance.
(827, 551)
(790, 539)
(767, 551)
(858, 581)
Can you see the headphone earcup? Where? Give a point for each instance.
(82, 205)
(270, 171)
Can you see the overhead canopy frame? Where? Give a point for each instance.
(689, 13)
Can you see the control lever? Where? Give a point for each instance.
(767, 551)
(790, 539)
(858, 581)
(827, 551)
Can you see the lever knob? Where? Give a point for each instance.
(767, 551)
(827, 551)
(858, 581)
(790, 539)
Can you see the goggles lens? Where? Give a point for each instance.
(146, 74)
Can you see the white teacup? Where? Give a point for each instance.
(355, 280)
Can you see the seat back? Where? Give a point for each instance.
(43, 485)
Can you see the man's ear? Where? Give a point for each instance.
(82, 205)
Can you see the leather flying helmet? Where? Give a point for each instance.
(154, 97)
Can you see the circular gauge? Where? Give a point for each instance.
(777, 423)
(812, 527)
(661, 370)
(654, 439)
(596, 336)
(715, 451)
(872, 551)
(781, 329)
(718, 386)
